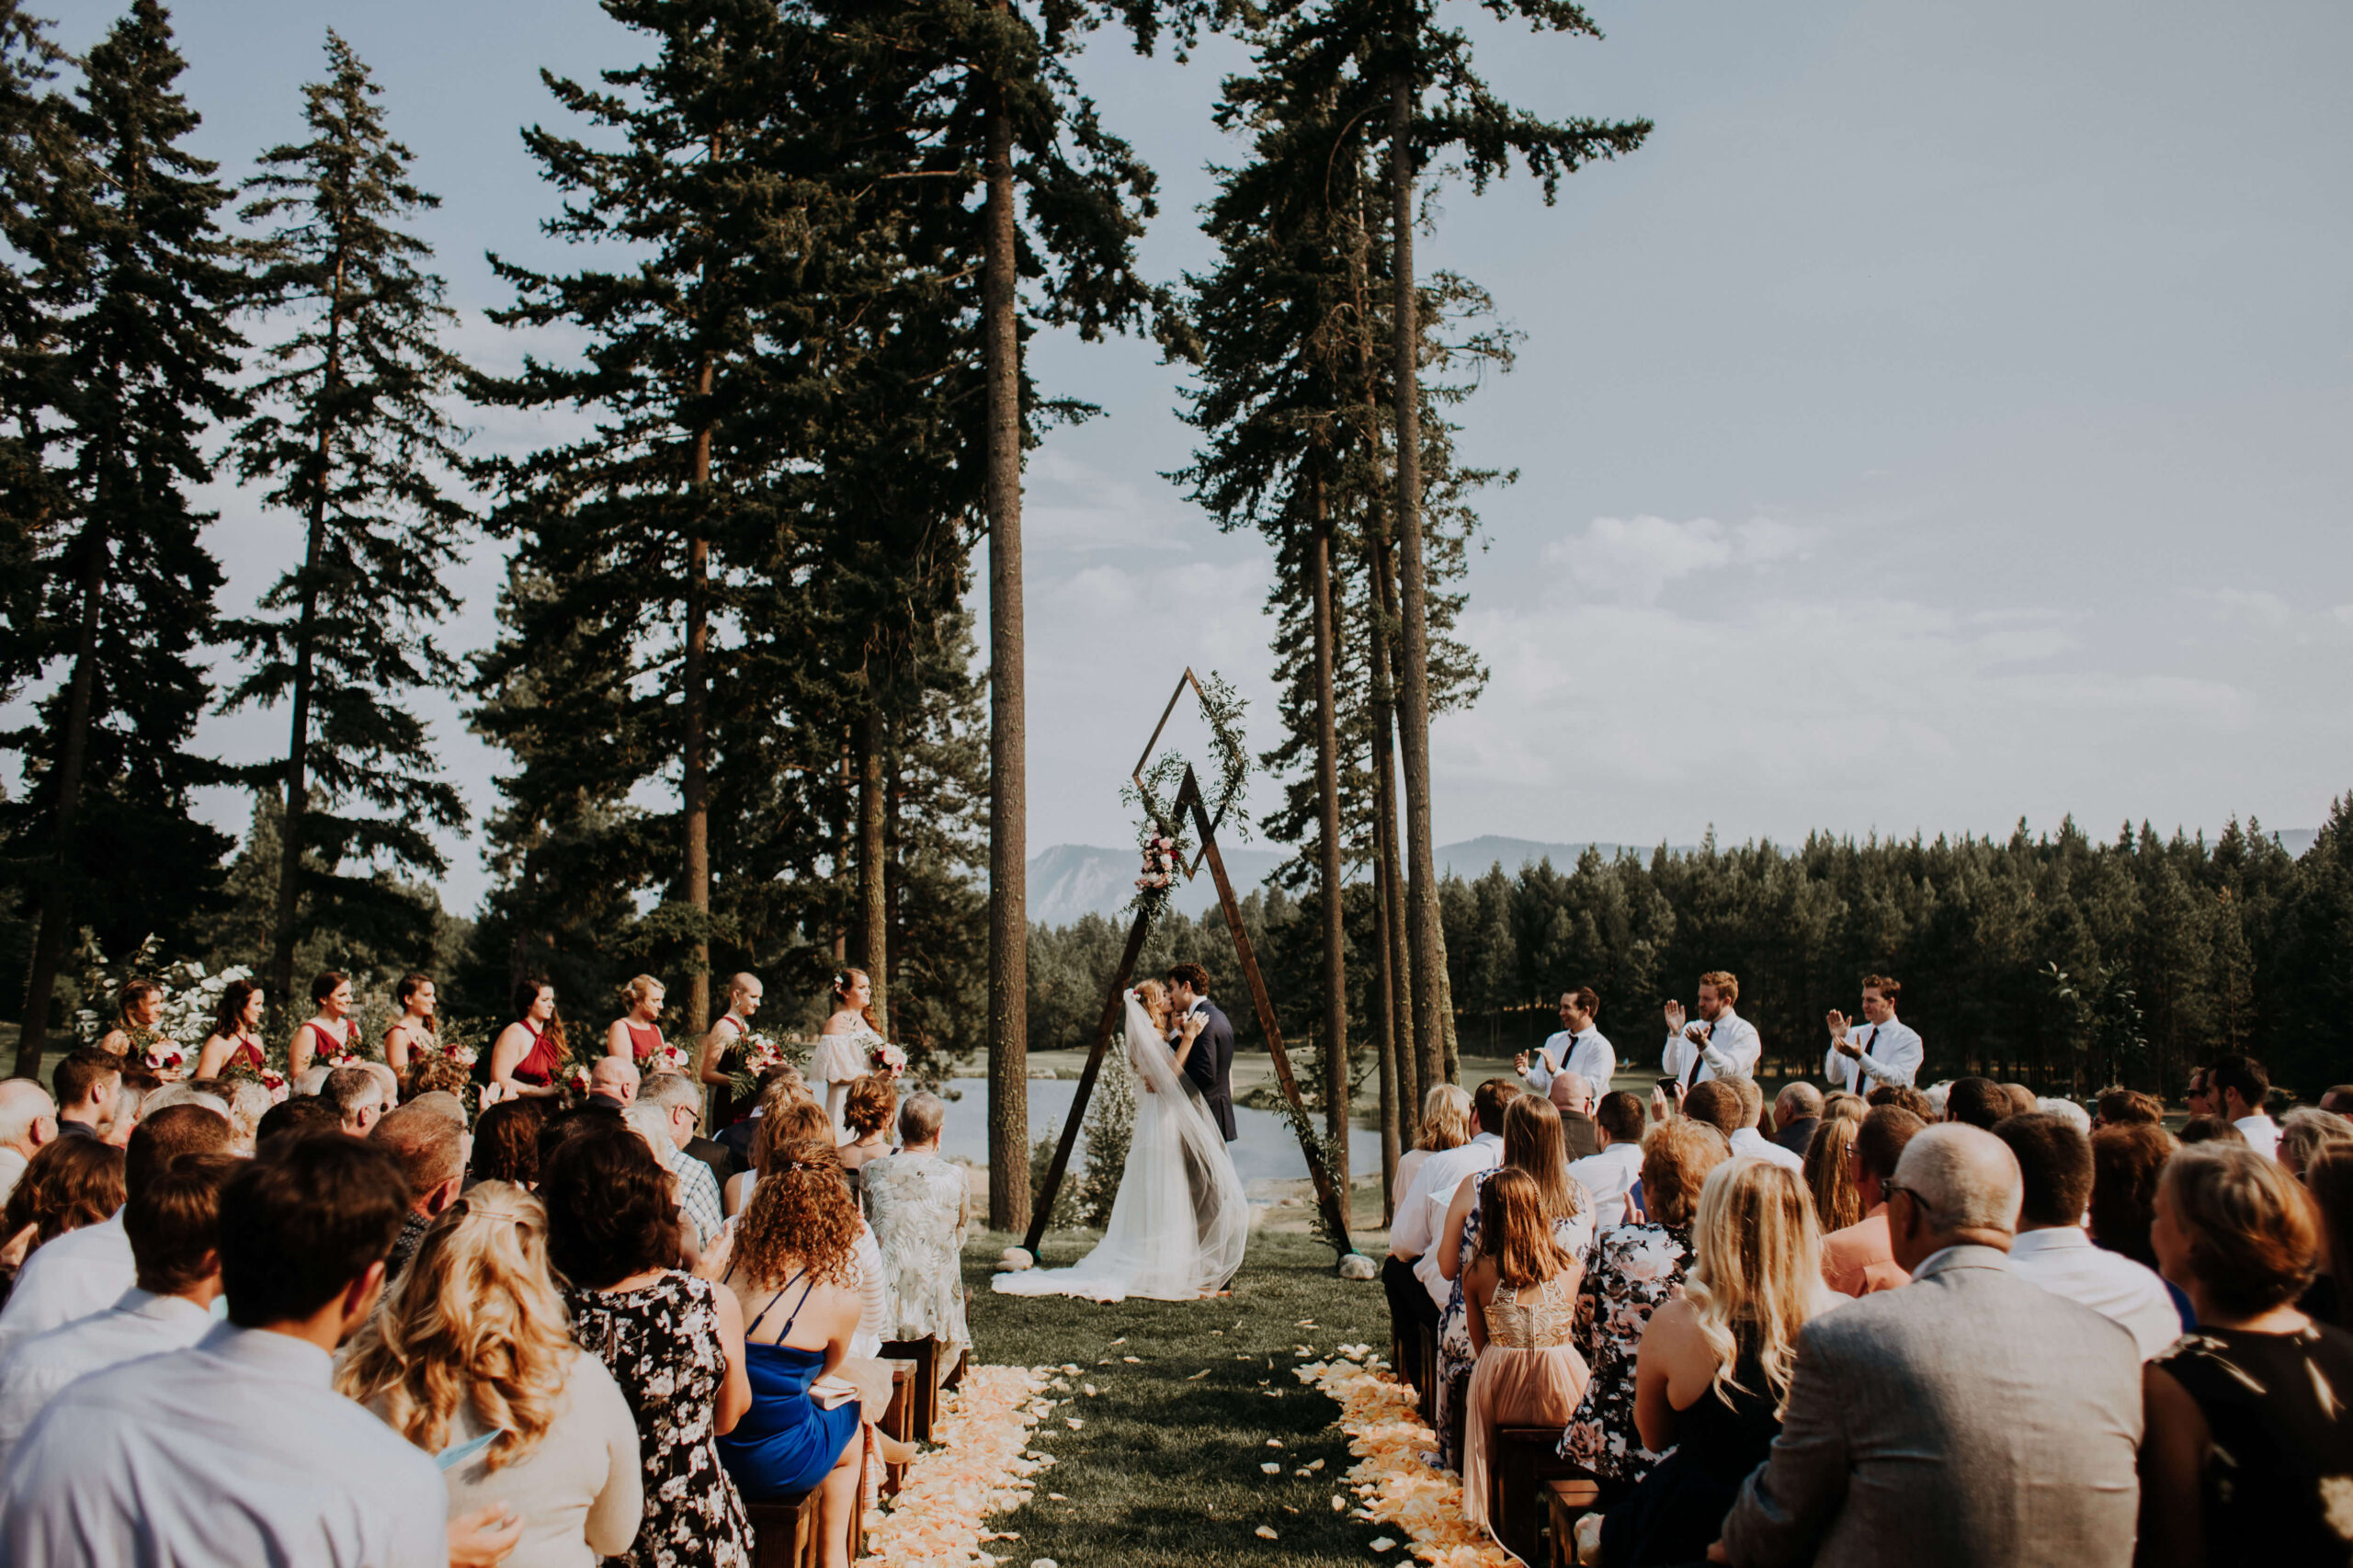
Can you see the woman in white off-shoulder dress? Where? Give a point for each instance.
(846, 1048)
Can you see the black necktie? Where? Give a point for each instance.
(1868, 1039)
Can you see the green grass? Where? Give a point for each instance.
(1165, 1468)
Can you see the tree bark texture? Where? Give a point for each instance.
(873, 885)
(694, 782)
(1327, 790)
(57, 904)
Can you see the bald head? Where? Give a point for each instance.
(1956, 1184)
(614, 1075)
(28, 1115)
(1797, 1102)
(1570, 1092)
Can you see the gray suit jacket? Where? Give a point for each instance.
(1969, 1418)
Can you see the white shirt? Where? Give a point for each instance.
(1586, 1053)
(140, 1323)
(1610, 1175)
(2262, 1134)
(234, 1451)
(79, 1273)
(1754, 1144)
(1732, 1050)
(2064, 1261)
(1891, 1054)
(1426, 1201)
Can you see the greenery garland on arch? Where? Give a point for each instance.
(1161, 834)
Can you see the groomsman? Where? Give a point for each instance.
(1579, 1047)
(1879, 1049)
(1720, 1043)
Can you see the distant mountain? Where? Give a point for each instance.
(1475, 857)
(2296, 840)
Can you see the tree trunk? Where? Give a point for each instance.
(57, 903)
(1328, 790)
(1386, 1004)
(1008, 782)
(1413, 1082)
(694, 763)
(874, 900)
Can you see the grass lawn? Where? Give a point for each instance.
(1164, 1469)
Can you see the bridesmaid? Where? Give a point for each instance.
(843, 1046)
(417, 1028)
(141, 1004)
(526, 1055)
(637, 1034)
(331, 1031)
(743, 991)
(236, 1030)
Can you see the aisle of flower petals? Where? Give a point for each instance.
(1396, 1485)
(983, 1465)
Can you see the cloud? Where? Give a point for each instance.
(1632, 560)
(2255, 607)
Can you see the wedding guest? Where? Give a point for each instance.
(308, 1081)
(358, 1098)
(779, 1085)
(164, 1095)
(2212, 1130)
(506, 1144)
(87, 1083)
(2068, 1112)
(744, 994)
(2250, 1446)
(2120, 1106)
(1635, 1268)
(1860, 1257)
(2329, 1179)
(1532, 1143)
(1720, 1043)
(1520, 1293)
(1716, 1103)
(1610, 1172)
(673, 1342)
(1747, 1141)
(431, 1155)
(636, 1034)
(28, 1125)
(525, 1057)
(72, 1183)
(1976, 1102)
(1573, 1097)
(868, 1110)
(2245, 1089)
(2051, 1248)
(175, 1230)
(612, 1083)
(330, 1033)
(845, 1044)
(236, 1032)
(2304, 1131)
(791, 1119)
(137, 1011)
(249, 1101)
(1417, 1292)
(1937, 1095)
(2022, 1099)
(1917, 1101)
(298, 1118)
(176, 1448)
(795, 1124)
(1444, 1124)
(1881, 1049)
(1579, 1047)
(1967, 1418)
(472, 1361)
(1715, 1363)
(1830, 1175)
(793, 1274)
(2125, 1163)
(1797, 1111)
(415, 1033)
(2338, 1100)
(919, 1204)
(678, 1102)
(85, 1270)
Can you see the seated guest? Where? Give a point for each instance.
(87, 1270)
(1977, 1102)
(1417, 1292)
(1519, 1292)
(431, 1153)
(2249, 1456)
(2329, 1179)
(2212, 1130)
(1917, 1101)
(918, 1205)
(1610, 1172)
(71, 1183)
(357, 1097)
(27, 1123)
(793, 1271)
(310, 1080)
(87, 1082)
(781, 1084)
(783, 1128)
(506, 1144)
(175, 1230)
(2023, 1101)
(238, 1451)
(675, 1099)
(1861, 1259)
(1967, 1418)
(248, 1103)
(2126, 1161)
(1573, 1097)
(2052, 1249)
(1635, 1268)
(868, 1110)
(1715, 1365)
(300, 1115)
(2120, 1106)
(1747, 1141)
(1797, 1111)
(2244, 1090)
(2338, 1100)
(671, 1342)
(1830, 1175)
(471, 1360)
(2068, 1112)
(1444, 1124)
(785, 1122)
(1718, 1107)
(612, 1084)
(2304, 1131)
(165, 1095)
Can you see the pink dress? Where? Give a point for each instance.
(1529, 1375)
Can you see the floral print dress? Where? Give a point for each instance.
(661, 1343)
(1456, 1360)
(1634, 1269)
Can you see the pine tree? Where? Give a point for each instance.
(140, 283)
(353, 440)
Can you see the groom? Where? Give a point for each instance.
(1211, 1066)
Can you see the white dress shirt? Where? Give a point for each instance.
(2262, 1133)
(78, 1273)
(1426, 1201)
(1891, 1053)
(140, 1323)
(1587, 1053)
(1610, 1175)
(234, 1451)
(1732, 1050)
(2064, 1261)
(1754, 1144)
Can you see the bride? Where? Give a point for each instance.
(1180, 1220)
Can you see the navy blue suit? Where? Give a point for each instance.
(1210, 1067)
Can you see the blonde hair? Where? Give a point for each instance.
(640, 987)
(1756, 1271)
(1446, 1119)
(1533, 1142)
(474, 1320)
(1515, 1232)
(1153, 996)
(1837, 1204)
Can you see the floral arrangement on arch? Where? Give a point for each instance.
(1161, 834)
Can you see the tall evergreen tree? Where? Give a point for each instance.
(140, 282)
(353, 440)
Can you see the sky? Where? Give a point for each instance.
(1942, 420)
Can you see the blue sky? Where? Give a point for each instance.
(1942, 420)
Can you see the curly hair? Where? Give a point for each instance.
(432, 1069)
(870, 1105)
(785, 1124)
(475, 1320)
(800, 1217)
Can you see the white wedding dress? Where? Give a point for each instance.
(1180, 1220)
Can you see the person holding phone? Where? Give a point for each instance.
(1719, 1043)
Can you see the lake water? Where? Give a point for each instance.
(1266, 1151)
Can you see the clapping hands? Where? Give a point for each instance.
(1838, 1040)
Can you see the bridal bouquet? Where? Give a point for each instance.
(888, 1060)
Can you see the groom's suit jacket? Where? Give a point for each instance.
(1211, 1066)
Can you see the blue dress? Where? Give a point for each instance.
(785, 1444)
